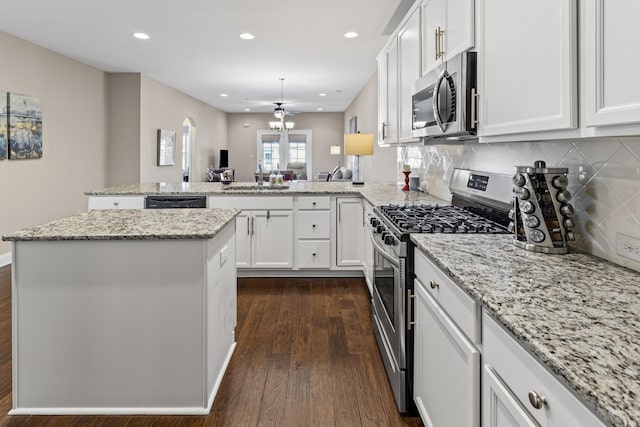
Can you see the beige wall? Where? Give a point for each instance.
(162, 107)
(327, 129)
(74, 131)
(382, 165)
(124, 128)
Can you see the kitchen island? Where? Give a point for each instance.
(123, 312)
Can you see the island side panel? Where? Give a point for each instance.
(221, 306)
(109, 324)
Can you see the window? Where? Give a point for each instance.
(277, 150)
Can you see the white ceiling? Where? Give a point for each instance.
(195, 45)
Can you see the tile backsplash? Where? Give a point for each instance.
(604, 179)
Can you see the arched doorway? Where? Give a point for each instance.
(188, 150)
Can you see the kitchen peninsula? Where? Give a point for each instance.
(123, 312)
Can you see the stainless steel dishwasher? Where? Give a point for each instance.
(175, 202)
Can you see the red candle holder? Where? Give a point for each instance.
(406, 181)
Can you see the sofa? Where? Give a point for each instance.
(339, 174)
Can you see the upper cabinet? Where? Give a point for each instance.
(447, 29)
(527, 66)
(611, 35)
(409, 72)
(388, 94)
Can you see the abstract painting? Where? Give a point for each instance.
(25, 127)
(166, 147)
(4, 125)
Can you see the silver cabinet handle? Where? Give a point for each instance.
(441, 51)
(252, 226)
(437, 42)
(537, 400)
(248, 226)
(384, 131)
(116, 204)
(434, 285)
(474, 108)
(410, 321)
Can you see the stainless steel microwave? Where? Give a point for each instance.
(445, 100)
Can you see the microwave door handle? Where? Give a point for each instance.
(436, 104)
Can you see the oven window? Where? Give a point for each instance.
(384, 278)
(423, 115)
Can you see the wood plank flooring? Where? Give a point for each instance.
(306, 356)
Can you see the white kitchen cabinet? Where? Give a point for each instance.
(446, 364)
(116, 202)
(367, 256)
(388, 94)
(447, 30)
(313, 232)
(349, 231)
(264, 230)
(611, 36)
(501, 408)
(513, 381)
(408, 72)
(527, 66)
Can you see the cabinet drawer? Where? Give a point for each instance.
(313, 225)
(311, 203)
(251, 202)
(116, 202)
(521, 374)
(313, 253)
(464, 311)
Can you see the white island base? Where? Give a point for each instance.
(122, 326)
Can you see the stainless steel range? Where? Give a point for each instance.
(480, 204)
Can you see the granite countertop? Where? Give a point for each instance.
(375, 193)
(131, 224)
(578, 314)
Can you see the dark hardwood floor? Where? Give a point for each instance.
(306, 356)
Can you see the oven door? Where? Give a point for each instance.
(388, 316)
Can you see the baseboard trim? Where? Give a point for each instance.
(216, 386)
(5, 259)
(109, 411)
(299, 273)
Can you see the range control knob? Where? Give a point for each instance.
(389, 239)
(374, 221)
(563, 196)
(567, 209)
(519, 180)
(380, 228)
(560, 182)
(571, 236)
(527, 207)
(532, 221)
(568, 223)
(512, 227)
(512, 214)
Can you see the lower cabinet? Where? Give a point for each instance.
(367, 245)
(116, 202)
(519, 391)
(264, 239)
(349, 231)
(447, 367)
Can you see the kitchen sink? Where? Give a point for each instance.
(254, 187)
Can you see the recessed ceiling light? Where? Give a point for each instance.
(224, 95)
(247, 36)
(322, 94)
(247, 109)
(350, 35)
(319, 108)
(141, 36)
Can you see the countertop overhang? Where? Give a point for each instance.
(131, 224)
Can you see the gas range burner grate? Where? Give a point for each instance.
(439, 219)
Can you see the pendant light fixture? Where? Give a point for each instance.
(278, 112)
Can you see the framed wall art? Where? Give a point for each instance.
(353, 124)
(4, 125)
(25, 126)
(166, 147)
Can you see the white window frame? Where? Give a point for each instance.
(284, 148)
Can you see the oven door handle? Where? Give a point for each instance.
(393, 261)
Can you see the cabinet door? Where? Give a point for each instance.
(527, 66)
(459, 27)
(383, 63)
(446, 367)
(611, 63)
(392, 94)
(499, 407)
(349, 232)
(431, 24)
(272, 245)
(409, 49)
(243, 240)
(116, 202)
